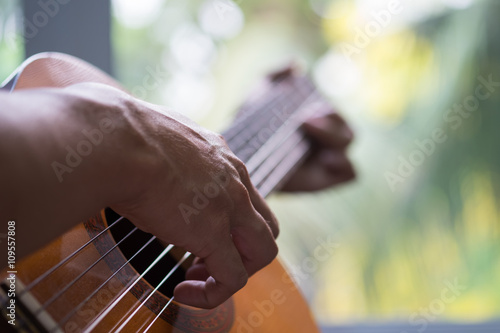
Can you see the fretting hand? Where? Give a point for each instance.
(330, 135)
(328, 165)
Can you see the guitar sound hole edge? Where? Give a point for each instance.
(130, 246)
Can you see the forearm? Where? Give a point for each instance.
(63, 159)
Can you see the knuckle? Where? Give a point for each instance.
(240, 280)
(267, 227)
(222, 139)
(260, 225)
(202, 252)
(272, 254)
(203, 248)
(241, 169)
(276, 228)
(268, 256)
(240, 194)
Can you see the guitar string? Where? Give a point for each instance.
(260, 121)
(273, 145)
(140, 329)
(129, 317)
(267, 106)
(75, 280)
(62, 291)
(115, 302)
(277, 161)
(53, 298)
(271, 119)
(246, 111)
(82, 303)
(65, 260)
(243, 126)
(158, 315)
(279, 174)
(292, 125)
(270, 162)
(47, 273)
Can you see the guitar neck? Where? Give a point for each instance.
(267, 136)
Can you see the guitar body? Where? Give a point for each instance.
(71, 297)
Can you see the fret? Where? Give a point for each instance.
(274, 110)
(267, 137)
(284, 169)
(274, 159)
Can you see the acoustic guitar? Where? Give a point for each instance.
(105, 275)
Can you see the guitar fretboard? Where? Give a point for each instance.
(267, 137)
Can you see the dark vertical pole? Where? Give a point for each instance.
(77, 27)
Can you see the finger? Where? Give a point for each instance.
(326, 169)
(227, 275)
(256, 244)
(197, 271)
(283, 73)
(259, 203)
(338, 166)
(254, 235)
(263, 209)
(253, 257)
(254, 231)
(331, 131)
(335, 167)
